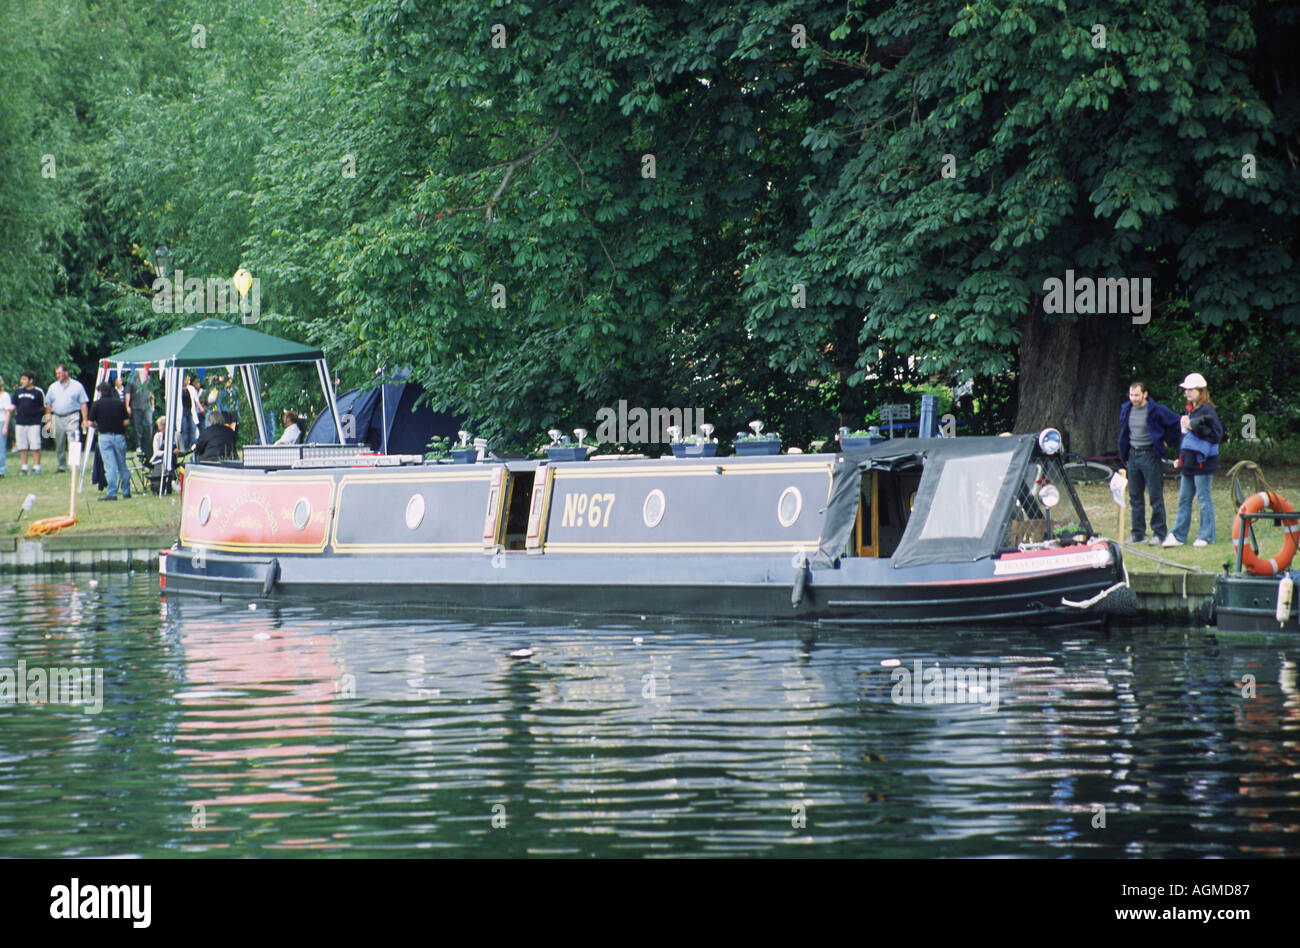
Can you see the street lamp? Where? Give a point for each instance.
(163, 260)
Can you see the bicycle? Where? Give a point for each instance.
(1081, 470)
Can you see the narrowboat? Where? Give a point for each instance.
(910, 531)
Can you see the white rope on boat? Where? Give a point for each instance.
(1088, 603)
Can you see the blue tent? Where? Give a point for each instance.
(386, 419)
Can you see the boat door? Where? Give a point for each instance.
(517, 506)
(884, 509)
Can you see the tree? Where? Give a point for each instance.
(576, 231)
(975, 154)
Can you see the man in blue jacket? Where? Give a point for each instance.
(1147, 431)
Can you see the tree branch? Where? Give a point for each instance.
(511, 166)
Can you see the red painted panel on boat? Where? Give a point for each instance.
(256, 512)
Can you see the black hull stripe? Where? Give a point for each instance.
(1093, 587)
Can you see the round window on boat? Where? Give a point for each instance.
(414, 511)
(205, 510)
(301, 513)
(788, 507)
(652, 511)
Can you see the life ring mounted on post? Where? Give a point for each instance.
(1255, 503)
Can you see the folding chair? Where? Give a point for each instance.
(138, 472)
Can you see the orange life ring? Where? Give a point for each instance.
(1249, 558)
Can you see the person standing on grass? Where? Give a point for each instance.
(191, 409)
(6, 410)
(1198, 459)
(142, 409)
(29, 407)
(228, 399)
(66, 402)
(108, 416)
(1147, 430)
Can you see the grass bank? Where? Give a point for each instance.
(142, 514)
(1101, 510)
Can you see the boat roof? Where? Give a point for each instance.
(904, 449)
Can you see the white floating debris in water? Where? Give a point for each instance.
(637, 640)
(252, 607)
(94, 583)
(643, 618)
(522, 653)
(890, 663)
(261, 636)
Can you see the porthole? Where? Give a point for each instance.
(652, 511)
(301, 513)
(205, 510)
(789, 506)
(414, 511)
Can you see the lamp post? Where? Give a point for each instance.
(162, 257)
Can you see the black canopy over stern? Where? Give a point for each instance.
(963, 502)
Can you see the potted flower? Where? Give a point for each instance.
(465, 453)
(438, 448)
(757, 443)
(851, 440)
(693, 446)
(560, 449)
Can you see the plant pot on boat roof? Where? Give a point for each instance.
(464, 453)
(851, 440)
(693, 446)
(757, 443)
(560, 449)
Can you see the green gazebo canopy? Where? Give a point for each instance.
(209, 343)
(215, 342)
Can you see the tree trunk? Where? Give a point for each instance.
(1069, 379)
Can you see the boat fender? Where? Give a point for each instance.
(1118, 599)
(269, 576)
(1285, 589)
(800, 563)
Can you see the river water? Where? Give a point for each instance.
(302, 729)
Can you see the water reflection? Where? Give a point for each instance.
(255, 717)
(361, 730)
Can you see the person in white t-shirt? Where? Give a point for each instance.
(292, 433)
(6, 410)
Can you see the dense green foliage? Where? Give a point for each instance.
(845, 200)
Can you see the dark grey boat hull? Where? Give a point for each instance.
(748, 588)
